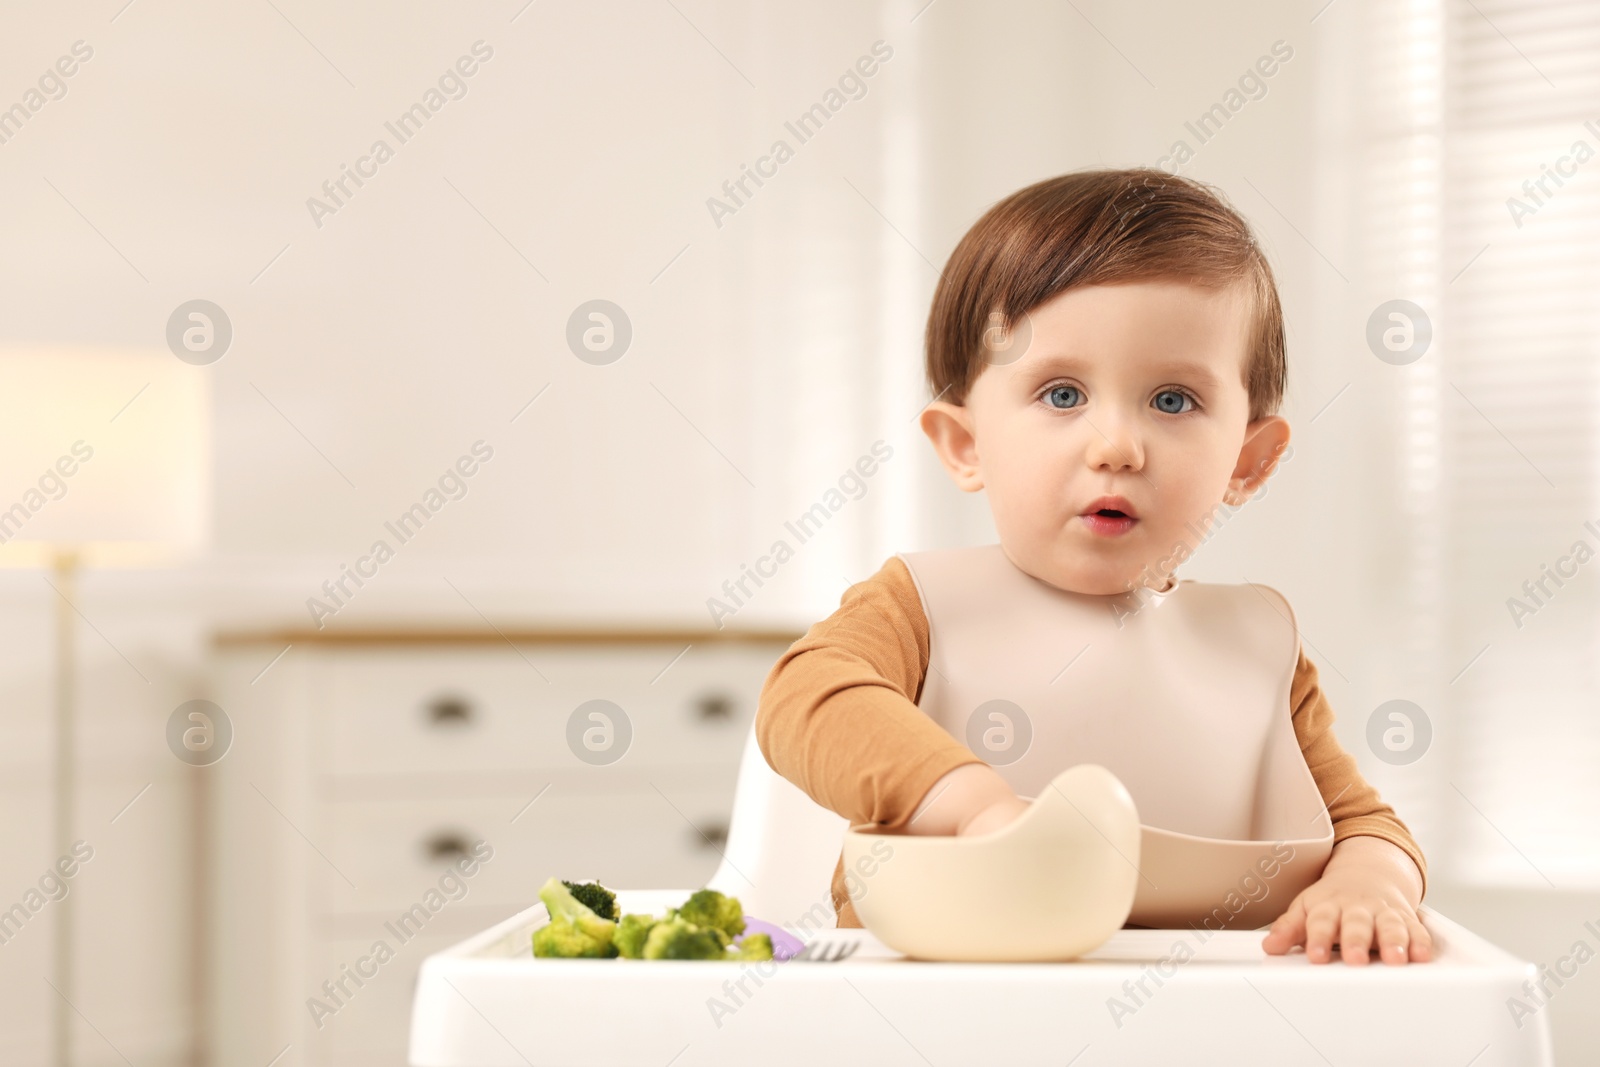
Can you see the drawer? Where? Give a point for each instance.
(403, 711)
(394, 852)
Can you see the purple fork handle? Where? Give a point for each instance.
(784, 944)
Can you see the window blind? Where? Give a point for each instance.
(1483, 159)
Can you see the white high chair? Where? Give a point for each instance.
(782, 848)
(1145, 996)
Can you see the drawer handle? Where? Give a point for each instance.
(446, 846)
(713, 835)
(714, 707)
(450, 711)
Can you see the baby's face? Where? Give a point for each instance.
(1133, 390)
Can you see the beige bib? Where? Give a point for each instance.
(1183, 695)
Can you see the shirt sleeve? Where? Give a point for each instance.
(838, 714)
(1353, 803)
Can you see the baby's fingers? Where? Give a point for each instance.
(1421, 940)
(1355, 935)
(1393, 935)
(1322, 924)
(1288, 930)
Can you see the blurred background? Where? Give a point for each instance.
(545, 347)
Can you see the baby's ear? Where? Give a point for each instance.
(949, 427)
(1265, 442)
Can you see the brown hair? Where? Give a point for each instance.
(1097, 227)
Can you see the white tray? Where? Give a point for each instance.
(488, 1002)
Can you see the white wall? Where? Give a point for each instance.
(406, 328)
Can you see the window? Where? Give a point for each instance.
(1479, 194)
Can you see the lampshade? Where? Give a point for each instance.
(104, 453)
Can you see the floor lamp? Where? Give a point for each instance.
(104, 463)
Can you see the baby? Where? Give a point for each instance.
(1106, 355)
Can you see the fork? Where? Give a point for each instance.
(826, 952)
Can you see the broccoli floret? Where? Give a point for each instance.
(558, 900)
(599, 899)
(631, 934)
(753, 947)
(585, 923)
(564, 938)
(709, 908)
(678, 939)
(574, 929)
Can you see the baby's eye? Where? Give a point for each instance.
(1063, 396)
(1171, 401)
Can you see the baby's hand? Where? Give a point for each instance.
(971, 799)
(1002, 812)
(1362, 897)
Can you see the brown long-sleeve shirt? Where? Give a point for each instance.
(838, 717)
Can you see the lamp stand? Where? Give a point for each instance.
(65, 565)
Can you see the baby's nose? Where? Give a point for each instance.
(1114, 445)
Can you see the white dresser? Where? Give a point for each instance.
(363, 768)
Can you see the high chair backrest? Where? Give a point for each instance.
(782, 848)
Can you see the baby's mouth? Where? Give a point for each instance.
(1108, 522)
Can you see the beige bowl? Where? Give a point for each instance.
(1052, 885)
